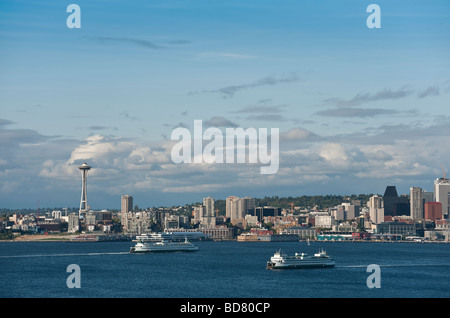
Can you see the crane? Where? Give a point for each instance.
(442, 166)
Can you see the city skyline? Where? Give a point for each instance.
(358, 109)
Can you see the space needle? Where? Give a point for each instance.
(83, 203)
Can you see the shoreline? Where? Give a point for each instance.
(75, 238)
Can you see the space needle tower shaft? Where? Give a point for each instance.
(83, 202)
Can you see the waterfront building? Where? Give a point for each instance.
(395, 228)
(219, 233)
(302, 232)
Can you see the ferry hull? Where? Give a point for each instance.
(299, 260)
(298, 266)
(151, 250)
(163, 247)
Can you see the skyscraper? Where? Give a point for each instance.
(208, 203)
(393, 204)
(376, 209)
(246, 204)
(441, 194)
(126, 206)
(232, 208)
(208, 219)
(416, 203)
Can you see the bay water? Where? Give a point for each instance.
(227, 269)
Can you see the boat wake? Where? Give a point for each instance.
(58, 255)
(391, 265)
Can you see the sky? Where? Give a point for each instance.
(357, 108)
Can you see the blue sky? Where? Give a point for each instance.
(357, 108)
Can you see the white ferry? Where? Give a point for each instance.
(171, 236)
(300, 260)
(163, 246)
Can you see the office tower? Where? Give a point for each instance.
(416, 203)
(441, 194)
(427, 196)
(393, 204)
(390, 198)
(126, 206)
(433, 211)
(376, 209)
(83, 202)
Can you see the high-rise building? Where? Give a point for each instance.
(433, 211)
(441, 194)
(207, 216)
(376, 209)
(394, 204)
(246, 204)
(416, 203)
(74, 223)
(126, 206)
(238, 208)
(208, 203)
(232, 207)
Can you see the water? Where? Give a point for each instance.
(222, 270)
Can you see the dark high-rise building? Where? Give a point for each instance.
(390, 198)
(393, 204)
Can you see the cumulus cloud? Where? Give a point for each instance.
(296, 134)
(388, 153)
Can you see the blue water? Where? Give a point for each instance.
(222, 269)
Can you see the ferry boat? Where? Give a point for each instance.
(300, 260)
(172, 236)
(163, 246)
